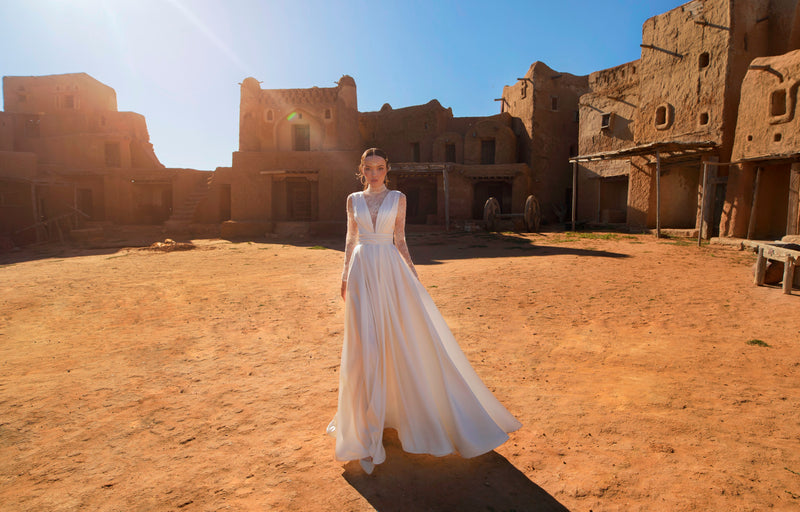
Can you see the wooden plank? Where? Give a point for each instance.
(751, 226)
(703, 197)
(761, 267)
(788, 274)
(793, 214)
(658, 194)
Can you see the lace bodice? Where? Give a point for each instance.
(374, 202)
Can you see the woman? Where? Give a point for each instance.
(401, 367)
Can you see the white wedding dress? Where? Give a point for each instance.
(401, 366)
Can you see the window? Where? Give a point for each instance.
(661, 115)
(704, 118)
(270, 115)
(302, 137)
(777, 103)
(69, 101)
(487, 151)
(21, 98)
(415, 152)
(704, 60)
(606, 120)
(664, 116)
(32, 128)
(327, 113)
(524, 89)
(449, 152)
(112, 153)
(554, 103)
(777, 137)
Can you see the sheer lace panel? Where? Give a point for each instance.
(374, 201)
(400, 233)
(352, 235)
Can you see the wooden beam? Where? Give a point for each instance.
(703, 204)
(658, 194)
(574, 192)
(751, 226)
(793, 215)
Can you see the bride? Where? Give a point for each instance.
(401, 366)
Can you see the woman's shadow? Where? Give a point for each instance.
(407, 482)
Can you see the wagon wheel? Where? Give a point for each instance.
(533, 214)
(491, 209)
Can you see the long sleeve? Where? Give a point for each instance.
(352, 236)
(400, 233)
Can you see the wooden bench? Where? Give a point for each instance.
(788, 254)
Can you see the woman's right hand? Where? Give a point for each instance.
(344, 288)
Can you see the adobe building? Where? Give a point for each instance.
(653, 128)
(763, 185)
(68, 157)
(298, 154)
(544, 106)
(448, 166)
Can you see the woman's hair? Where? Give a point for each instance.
(368, 153)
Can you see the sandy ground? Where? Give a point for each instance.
(203, 380)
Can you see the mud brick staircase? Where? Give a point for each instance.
(183, 215)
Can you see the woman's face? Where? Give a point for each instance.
(374, 170)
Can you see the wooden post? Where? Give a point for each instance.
(788, 274)
(658, 194)
(761, 267)
(793, 215)
(574, 191)
(599, 199)
(751, 226)
(703, 204)
(446, 199)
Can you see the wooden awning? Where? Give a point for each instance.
(666, 150)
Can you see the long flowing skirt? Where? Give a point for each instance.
(403, 369)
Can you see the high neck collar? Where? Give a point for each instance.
(375, 190)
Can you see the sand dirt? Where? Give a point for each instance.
(135, 379)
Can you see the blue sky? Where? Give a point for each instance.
(179, 62)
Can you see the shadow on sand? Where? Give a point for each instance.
(407, 482)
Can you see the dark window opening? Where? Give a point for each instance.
(554, 103)
(270, 115)
(327, 113)
(704, 118)
(69, 101)
(415, 156)
(704, 60)
(112, 153)
(302, 137)
(605, 121)
(661, 115)
(449, 152)
(777, 137)
(487, 151)
(778, 103)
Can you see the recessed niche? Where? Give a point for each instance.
(749, 138)
(663, 116)
(703, 118)
(704, 60)
(777, 137)
(777, 103)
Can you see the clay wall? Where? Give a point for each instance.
(766, 136)
(693, 60)
(270, 119)
(54, 94)
(545, 107)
